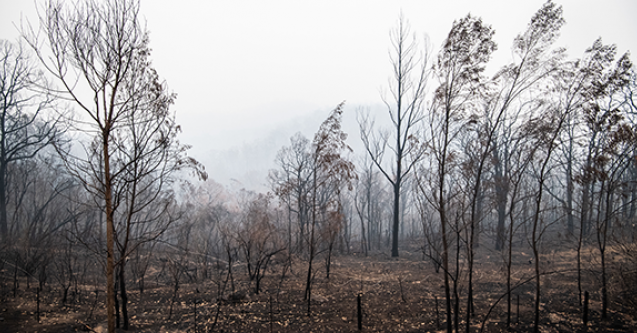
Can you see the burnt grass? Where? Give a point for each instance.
(402, 294)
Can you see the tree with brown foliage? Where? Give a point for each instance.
(611, 144)
(330, 171)
(98, 52)
(459, 68)
(535, 62)
(258, 238)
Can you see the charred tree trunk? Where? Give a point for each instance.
(124, 297)
(110, 233)
(396, 214)
(4, 230)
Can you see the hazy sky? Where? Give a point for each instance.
(249, 74)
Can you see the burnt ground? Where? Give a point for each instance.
(397, 295)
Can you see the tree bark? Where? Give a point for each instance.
(4, 230)
(110, 237)
(396, 216)
(124, 297)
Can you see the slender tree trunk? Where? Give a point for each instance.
(399, 152)
(328, 260)
(535, 234)
(301, 213)
(442, 210)
(308, 284)
(510, 251)
(633, 195)
(124, 297)
(535, 247)
(229, 276)
(370, 211)
(289, 231)
(110, 239)
(363, 235)
(470, 278)
(601, 239)
(16, 283)
(257, 282)
(4, 228)
(476, 216)
(580, 240)
(570, 219)
(477, 220)
(118, 318)
(445, 264)
(604, 287)
(456, 293)
(509, 262)
(396, 220)
(584, 222)
(174, 296)
(499, 243)
(536, 257)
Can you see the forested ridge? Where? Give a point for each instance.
(502, 202)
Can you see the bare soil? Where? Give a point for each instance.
(397, 295)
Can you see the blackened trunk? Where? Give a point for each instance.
(124, 297)
(456, 293)
(470, 282)
(579, 255)
(65, 294)
(308, 284)
(509, 261)
(536, 327)
(570, 219)
(601, 236)
(117, 313)
(445, 266)
(396, 220)
(328, 260)
(4, 229)
(110, 233)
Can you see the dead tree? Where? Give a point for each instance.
(405, 107)
(103, 48)
(461, 61)
(26, 125)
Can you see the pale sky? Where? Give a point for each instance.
(249, 74)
